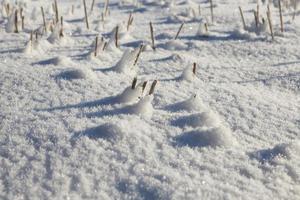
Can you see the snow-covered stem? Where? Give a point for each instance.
(56, 11)
(86, 16)
(179, 30)
(106, 7)
(44, 20)
(133, 85)
(16, 22)
(257, 13)
(152, 36)
(61, 33)
(72, 9)
(96, 46)
(194, 68)
(211, 11)
(280, 14)
(242, 16)
(206, 27)
(144, 86)
(130, 20)
(255, 19)
(138, 55)
(270, 22)
(92, 6)
(152, 87)
(22, 22)
(116, 36)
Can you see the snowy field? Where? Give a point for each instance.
(212, 114)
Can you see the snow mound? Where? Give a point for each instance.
(108, 131)
(279, 151)
(194, 103)
(62, 60)
(143, 108)
(129, 95)
(204, 119)
(76, 73)
(202, 30)
(188, 74)
(203, 137)
(241, 33)
(126, 63)
(174, 45)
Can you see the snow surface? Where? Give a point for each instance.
(72, 127)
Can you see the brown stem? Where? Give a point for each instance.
(179, 30)
(138, 55)
(16, 22)
(242, 16)
(152, 36)
(134, 83)
(281, 20)
(44, 20)
(152, 87)
(96, 46)
(116, 36)
(194, 68)
(86, 16)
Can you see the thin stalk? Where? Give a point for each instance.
(179, 30)
(280, 13)
(44, 20)
(152, 36)
(86, 16)
(242, 16)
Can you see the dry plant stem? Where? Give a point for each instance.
(104, 46)
(255, 18)
(44, 20)
(72, 10)
(23, 18)
(96, 46)
(280, 14)
(129, 20)
(212, 11)
(56, 11)
(106, 7)
(92, 7)
(36, 35)
(257, 13)
(138, 55)
(144, 86)
(134, 83)
(199, 10)
(152, 87)
(85, 13)
(61, 34)
(152, 36)
(194, 68)
(116, 36)
(31, 36)
(16, 22)
(178, 32)
(206, 27)
(270, 22)
(21, 12)
(242, 16)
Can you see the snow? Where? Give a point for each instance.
(72, 126)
